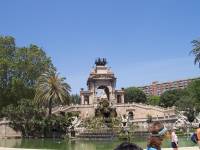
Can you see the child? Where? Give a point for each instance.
(174, 139)
(157, 134)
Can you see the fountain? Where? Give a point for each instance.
(102, 125)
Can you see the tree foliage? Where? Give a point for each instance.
(194, 95)
(190, 100)
(133, 94)
(194, 90)
(50, 89)
(25, 117)
(153, 100)
(75, 99)
(19, 69)
(169, 98)
(31, 120)
(187, 104)
(196, 51)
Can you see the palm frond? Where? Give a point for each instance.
(52, 88)
(196, 51)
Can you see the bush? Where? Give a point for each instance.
(32, 121)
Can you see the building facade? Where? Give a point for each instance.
(156, 88)
(101, 85)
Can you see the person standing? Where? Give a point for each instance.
(157, 133)
(198, 135)
(174, 139)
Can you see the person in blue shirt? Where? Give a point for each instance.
(157, 133)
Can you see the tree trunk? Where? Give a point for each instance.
(50, 107)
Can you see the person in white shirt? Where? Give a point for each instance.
(174, 139)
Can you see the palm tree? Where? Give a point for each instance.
(51, 88)
(196, 51)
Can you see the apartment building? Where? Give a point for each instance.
(157, 88)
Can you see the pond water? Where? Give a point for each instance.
(80, 144)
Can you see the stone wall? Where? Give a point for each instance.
(7, 132)
(86, 111)
(140, 111)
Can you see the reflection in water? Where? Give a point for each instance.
(79, 144)
(10, 142)
(76, 145)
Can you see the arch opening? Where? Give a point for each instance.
(103, 92)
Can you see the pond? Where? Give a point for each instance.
(80, 144)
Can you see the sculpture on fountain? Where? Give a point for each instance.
(101, 86)
(124, 119)
(183, 122)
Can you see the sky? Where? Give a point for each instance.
(143, 40)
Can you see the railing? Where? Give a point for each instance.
(66, 107)
(158, 108)
(141, 120)
(146, 106)
(3, 121)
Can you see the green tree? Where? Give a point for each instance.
(193, 90)
(188, 105)
(75, 99)
(30, 120)
(133, 94)
(50, 89)
(25, 117)
(31, 62)
(19, 70)
(196, 51)
(169, 98)
(7, 53)
(153, 100)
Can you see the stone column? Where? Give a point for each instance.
(122, 98)
(82, 99)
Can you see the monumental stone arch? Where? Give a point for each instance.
(101, 84)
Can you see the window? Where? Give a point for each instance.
(119, 100)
